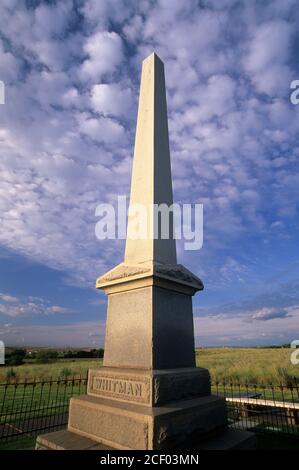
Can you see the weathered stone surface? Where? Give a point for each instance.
(149, 328)
(109, 422)
(180, 385)
(228, 439)
(151, 388)
(191, 418)
(151, 172)
(173, 333)
(128, 341)
(66, 440)
(133, 426)
(124, 273)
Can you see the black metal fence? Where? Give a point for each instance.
(31, 408)
(271, 409)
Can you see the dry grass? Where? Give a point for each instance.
(75, 367)
(240, 365)
(248, 365)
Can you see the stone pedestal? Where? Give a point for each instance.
(148, 395)
(149, 316)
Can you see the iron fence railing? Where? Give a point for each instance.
(262, 408)
(29, 408)
(33, 407)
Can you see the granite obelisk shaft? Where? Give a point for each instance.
(151, 174)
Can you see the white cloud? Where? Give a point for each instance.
(53, 20)
(239, 329)
(28, 308)
(215, 99)
(270, 44)
(268, 54)
(9, 65)
(70, 335)
(110, 99)
(101, 129)
(105, 54)
(8, 298)
(100, 13)
(266, 314)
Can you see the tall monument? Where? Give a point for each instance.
(149, 393)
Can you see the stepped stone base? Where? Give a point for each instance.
(230, 439)
(131, 409)
(134, 409)
(130, 426)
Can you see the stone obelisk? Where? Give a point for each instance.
(149, 322)
(149, 393)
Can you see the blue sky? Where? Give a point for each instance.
(71, 71)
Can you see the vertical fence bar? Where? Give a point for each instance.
(2, 416)
(12, 408)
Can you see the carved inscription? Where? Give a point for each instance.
(120, 387)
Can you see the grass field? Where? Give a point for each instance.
(31, 371)
(240, 365)
(261, 366)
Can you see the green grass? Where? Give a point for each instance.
(274, 430)
(31, 371)
(24, 443)
(240, 365)
(43, 399)
(248, 365)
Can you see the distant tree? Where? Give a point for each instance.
(44, 356)
(97, 353)
(30, 355)
(68, 354)
(83, 354)
(15, 357)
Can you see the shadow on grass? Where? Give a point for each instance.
(24, 443)
(272, 442)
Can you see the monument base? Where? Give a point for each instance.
(133, 409)
(230, 439)
(132, 426)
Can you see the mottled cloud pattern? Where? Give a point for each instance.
(71, 71)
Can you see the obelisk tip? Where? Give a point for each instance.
(153, 56)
